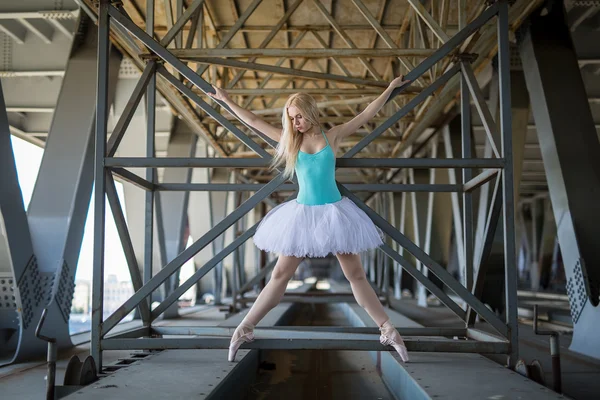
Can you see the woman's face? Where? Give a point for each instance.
(298, 121)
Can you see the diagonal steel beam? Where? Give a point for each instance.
(205, 269)
(214, 113)
(277, 64)
(481, 105)
(121, 224)
(288, 71)
(433, 266)
(385, 36)
(254, 281)
(129, 111)
(424, 280)
(189, 13)
(345, 37)
(428, 19)
(480, 267)
(450, 46)
(270, 37)
(403, 112)
(178, 261)
(234, 29)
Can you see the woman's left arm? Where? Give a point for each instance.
(348, 128)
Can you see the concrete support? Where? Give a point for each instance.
(58, 208)
(547, 245)
(571, 154)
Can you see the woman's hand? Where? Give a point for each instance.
(219, 94)
(399, 81)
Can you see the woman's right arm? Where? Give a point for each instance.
(247, 116)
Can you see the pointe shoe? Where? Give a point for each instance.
(246, 335)
(391, 337)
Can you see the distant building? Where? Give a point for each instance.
(115, 293)
(82, 298)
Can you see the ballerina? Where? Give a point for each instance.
(320, 220)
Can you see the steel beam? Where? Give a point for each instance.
(331, 341)
(202, 54)
(433, 266)
(18, 265)
(508, 189)
(213, 162)
(101, 114)
(303, 330)
(571, 153)
(202, 242)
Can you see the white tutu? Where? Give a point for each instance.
(294, 229)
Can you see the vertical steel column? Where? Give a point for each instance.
(150, 172)
(465, 112)
(99, 181)
(507, 183)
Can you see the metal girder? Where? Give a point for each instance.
(570, 149)
(403, 112)
(202, 54)
(212, 162)
(510, 262)
(14, 30)
(234, 187)
(288, 71)
(18, 264)
(302, 330)
(270, 37)
(187, 15)
(173, 266)
(99, 181)
(58, 208)
(121, 224)
(331, 341)
(433, 266)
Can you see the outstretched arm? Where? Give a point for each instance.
(247, 116)
(347, 129)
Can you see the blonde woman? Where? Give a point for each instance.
(319, 221)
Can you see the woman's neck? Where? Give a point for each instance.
(313, 131)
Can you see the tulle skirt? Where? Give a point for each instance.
(294, 229)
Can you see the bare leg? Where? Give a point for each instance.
(363, 292)
(268, 298)
(367, 298)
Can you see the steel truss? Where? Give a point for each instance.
(499, 167)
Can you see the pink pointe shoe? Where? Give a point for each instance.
(243, 334)
(391, 337)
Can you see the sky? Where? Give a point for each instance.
(28, 158)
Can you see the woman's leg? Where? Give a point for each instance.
(367, 298)
(268, 298)
(363, 292)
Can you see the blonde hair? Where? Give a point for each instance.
(289, 145)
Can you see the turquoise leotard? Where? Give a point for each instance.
(316, 177)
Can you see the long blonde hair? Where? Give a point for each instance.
(289, 145)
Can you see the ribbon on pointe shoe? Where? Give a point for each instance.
(391, 337)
